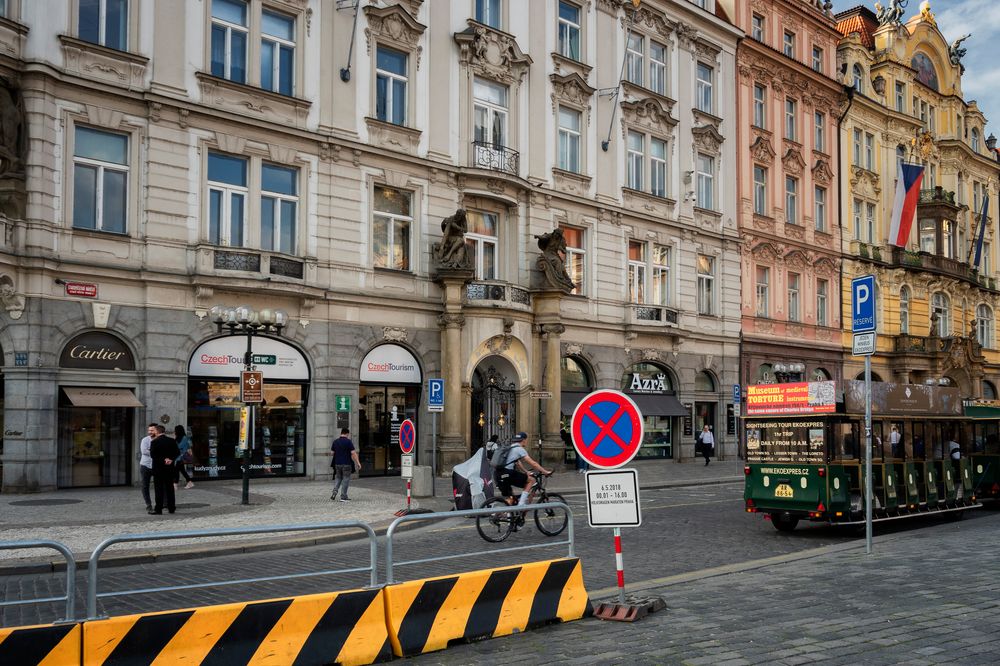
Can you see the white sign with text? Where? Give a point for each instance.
(613, 498)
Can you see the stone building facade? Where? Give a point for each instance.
(163, 158)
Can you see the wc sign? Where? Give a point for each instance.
(863, 304)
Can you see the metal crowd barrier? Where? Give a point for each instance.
(390, 562)
(70, 596)
(92, 565)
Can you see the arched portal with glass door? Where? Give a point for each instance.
(494, 401)
(577, 380)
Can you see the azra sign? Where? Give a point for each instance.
(657, 384)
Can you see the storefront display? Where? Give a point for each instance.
(388, 394)
(651, 389)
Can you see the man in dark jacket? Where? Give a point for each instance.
(163, 450)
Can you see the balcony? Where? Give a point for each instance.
(652, 314)
(946, 266)
(229, 260)
(937, 195)
(492, 156)
(497, 294)
(917, 344)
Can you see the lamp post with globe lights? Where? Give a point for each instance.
(244, 320)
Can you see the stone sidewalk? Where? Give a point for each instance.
(83, 518)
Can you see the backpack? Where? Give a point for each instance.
(499, 458)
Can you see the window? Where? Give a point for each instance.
(984, 326)
(391, 223)
(103, 22)
(227, 198)
(278, 203)
(229, 40)
(790, 110)
(759, 190)
(661, 274)
(390, 85)
(636, 271)
(791, 200)
(634, 53)
(869, 151)
(4, 8)
(759, 106)
(930, 117)
(757, 27)
(569, 30)
(481, 241)
(858, 137)
(490, 111)
(635, 67)
(763, 287)
(857, 218)
(928, 236)
(100, 180)
(859, 78)
(488, 12)
(819, 131)
(706, 284)
(657, 68)
(817, 63)
(941, 308)
(793, 297)
(974, 139)
(657, 167)
(975, 197)
(822, 296)
(904, 310)
(900, 96)
(900, 158)
(706, 182)
(987, 263)
(277, 53)
(819, 208)
(704, 92)
(947, 239)
(869, 223)
(569, 139)
(789, 44)
(636, 158)
(576, 258)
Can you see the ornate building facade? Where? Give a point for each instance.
(162, 158)
(789, 212)
(936, 307)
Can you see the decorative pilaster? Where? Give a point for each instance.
(552, 444)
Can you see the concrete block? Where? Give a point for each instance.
(420, 486)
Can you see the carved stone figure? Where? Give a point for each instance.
(11, 131)
(451, 252)
(891, 15)
(956, 52)
(552, 261)
(12, 301)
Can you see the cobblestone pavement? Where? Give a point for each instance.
(924, 596)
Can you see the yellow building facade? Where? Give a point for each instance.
(936, 310)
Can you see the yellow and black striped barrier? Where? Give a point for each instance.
(42, 645)
(345, 627)
(424, 615)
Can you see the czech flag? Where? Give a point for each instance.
(982, 232)
(905, 204)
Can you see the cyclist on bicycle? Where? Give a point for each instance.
(512, 472)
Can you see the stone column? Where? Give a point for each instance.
(552, 444)
(452, 447)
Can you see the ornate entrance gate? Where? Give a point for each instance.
(494, 406)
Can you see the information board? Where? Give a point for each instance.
(780, 441)
(406, 465)
(613, 498)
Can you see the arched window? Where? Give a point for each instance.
(703, 381)
(989, 390)
(941, 309)
(984, 325)
(574, 375)
(765, 374)
(859, 79)
(819, 375)
(975, 139)
(904, 310)
(875, 377)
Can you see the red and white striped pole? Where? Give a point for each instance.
(408, 494)
(620, 565)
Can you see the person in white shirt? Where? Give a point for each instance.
(146, 464)
(707, 440)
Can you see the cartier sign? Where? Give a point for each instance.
(96, 351)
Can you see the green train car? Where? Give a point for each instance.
(804, 451)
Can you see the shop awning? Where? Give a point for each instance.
(101, 397)
(658, 404)
(570, 399)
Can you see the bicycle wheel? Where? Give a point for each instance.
(551, 521)
(495, 527)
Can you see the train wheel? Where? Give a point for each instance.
(783, 522)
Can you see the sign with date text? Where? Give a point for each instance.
(613, 498)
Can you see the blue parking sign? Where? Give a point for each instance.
(863, 304)
(736, 394)
(435, 395)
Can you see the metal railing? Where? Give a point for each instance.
(496, 157)
(70, 596)
(391, 563)
(92, 565)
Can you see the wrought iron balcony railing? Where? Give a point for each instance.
(653, 314)
(489, 155)
(476, 292)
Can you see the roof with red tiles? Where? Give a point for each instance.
(860, 20)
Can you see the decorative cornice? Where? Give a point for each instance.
(707, 138)
(492, 53)
(393, 26)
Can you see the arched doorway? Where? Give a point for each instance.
(494, 401)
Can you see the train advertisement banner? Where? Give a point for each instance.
(790, 442)
(793, 398)
(904, 399)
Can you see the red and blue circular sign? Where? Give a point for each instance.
(407, 436)
(607, 429)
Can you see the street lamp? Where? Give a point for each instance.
(244, 320)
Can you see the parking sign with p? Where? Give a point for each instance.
(863, 304)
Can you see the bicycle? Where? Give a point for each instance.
(497, 527)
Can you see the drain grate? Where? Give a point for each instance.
(45, 502)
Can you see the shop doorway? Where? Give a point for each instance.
(494, 402)
(704, 414)
(381, 411)
(94, 443)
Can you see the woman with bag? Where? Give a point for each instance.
(184, 459)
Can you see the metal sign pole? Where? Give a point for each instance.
(868, 455)
(434, 439)
(619, 565)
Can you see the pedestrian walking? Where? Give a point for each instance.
(163, 451)
(706, 442)
(146, 465)
(345, 462)
(184, 459)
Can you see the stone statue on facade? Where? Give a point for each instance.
(13, 302)
(933, 333)
(956, 52)
(552, 261)
(891, 15)
(451, 253)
